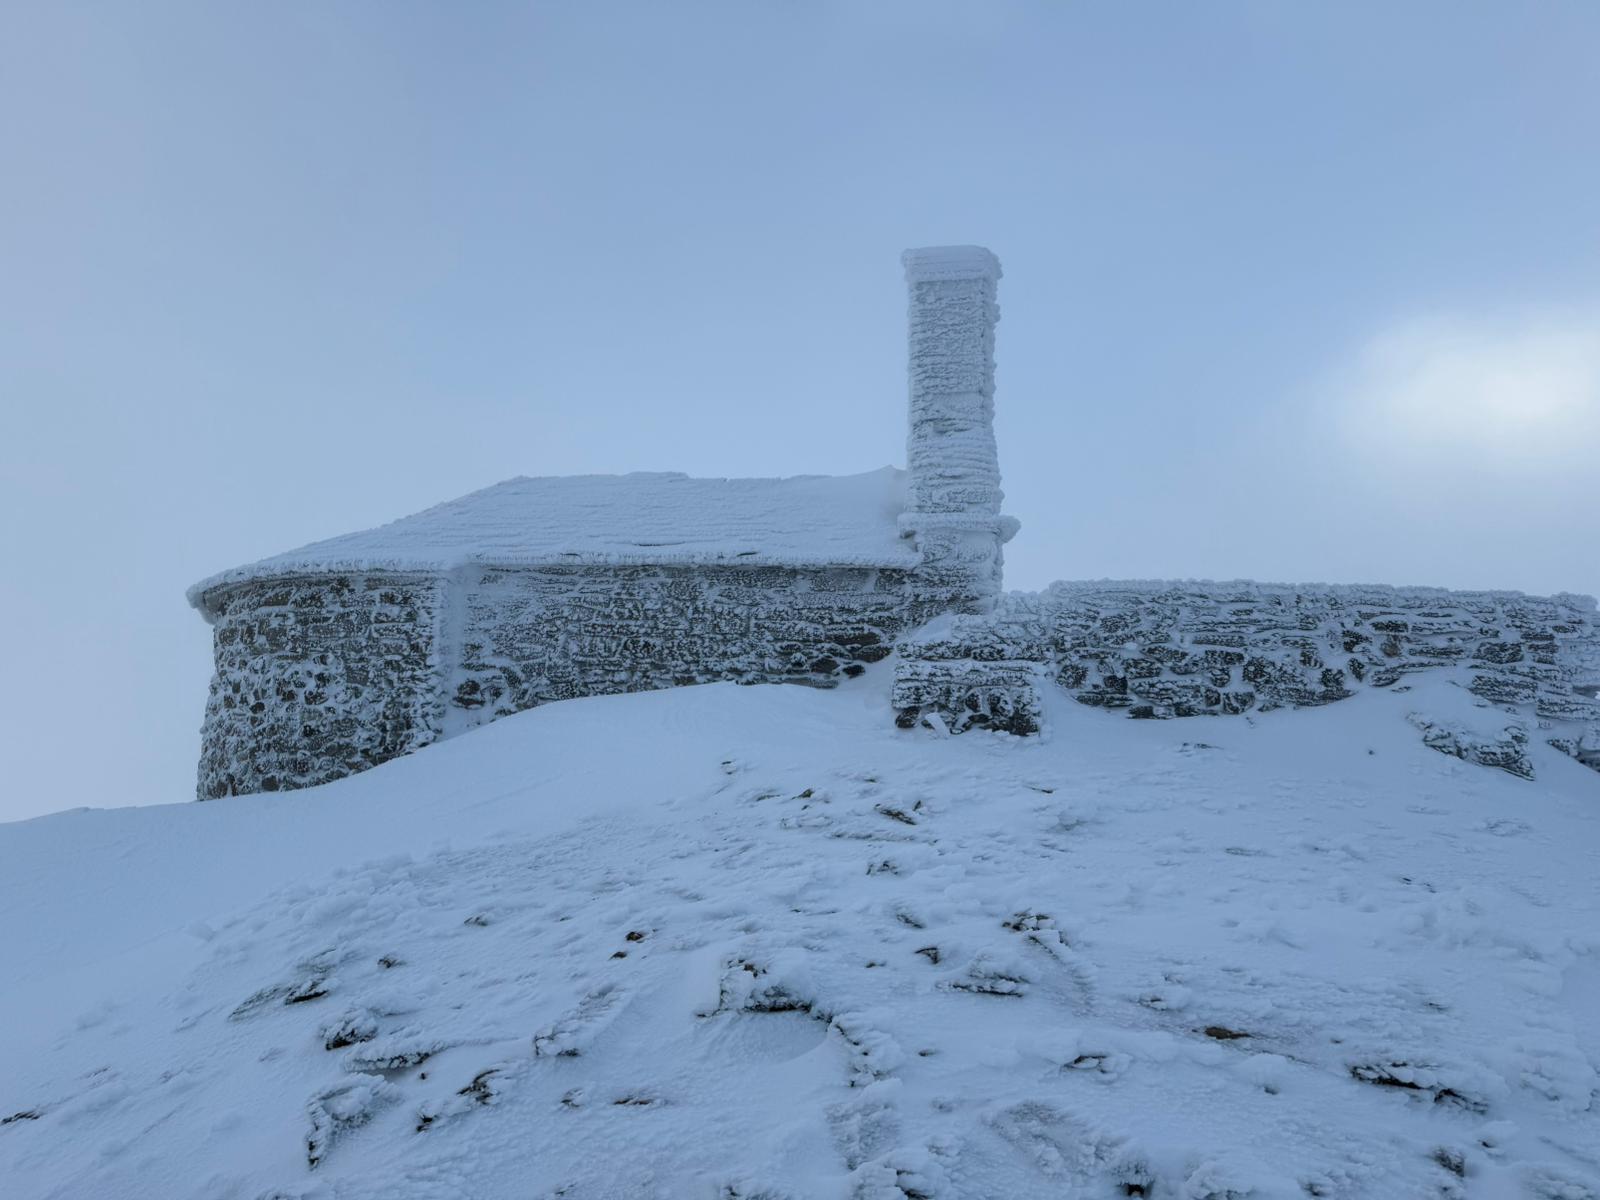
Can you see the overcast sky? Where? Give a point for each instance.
(1292, 292)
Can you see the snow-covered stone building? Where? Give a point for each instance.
(345, 653)
(348, 652)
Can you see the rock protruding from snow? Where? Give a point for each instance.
(1505, 747)
(1583, 746)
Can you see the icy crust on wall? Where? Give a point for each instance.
(1174, 649)
(317, 679)
(554, 634)
(320, 677)
(959, 672)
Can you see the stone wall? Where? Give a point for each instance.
(317, 679)
(1181, 649)
(1159, 650)
(961, 672)
(532, 636)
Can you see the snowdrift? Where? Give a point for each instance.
(732, 942)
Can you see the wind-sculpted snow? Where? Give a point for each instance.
(739, 943)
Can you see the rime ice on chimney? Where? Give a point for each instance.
(953, 493)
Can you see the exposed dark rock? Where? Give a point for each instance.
(1504, 689)
(1507, 750)
(1499, 652)
(1585, 747)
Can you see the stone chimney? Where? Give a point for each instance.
(953, 497)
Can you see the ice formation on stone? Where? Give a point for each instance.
(1195, 648)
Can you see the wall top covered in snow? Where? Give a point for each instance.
(1355, 592)
(647, 517)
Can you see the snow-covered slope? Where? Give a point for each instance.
(735, 942)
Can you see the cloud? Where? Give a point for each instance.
(1514, 393)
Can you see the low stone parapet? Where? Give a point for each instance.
(963, 672)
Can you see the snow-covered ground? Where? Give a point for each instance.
(729, 942)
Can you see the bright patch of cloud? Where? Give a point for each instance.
(1521, 393)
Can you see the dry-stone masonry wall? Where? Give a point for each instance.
(960, 672)
(320, 677)
(1190, 649)
(532, 636)
(317, 678)
(1165, 649)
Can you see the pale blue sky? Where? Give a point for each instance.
(1293, 292)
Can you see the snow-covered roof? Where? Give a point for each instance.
(646, 517)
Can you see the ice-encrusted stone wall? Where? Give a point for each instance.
(532, 636)
(962, 671)
(1178, 649)
(318, 678)
(321, 677)
(1160, 649)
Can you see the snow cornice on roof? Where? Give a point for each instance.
(640, 519)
